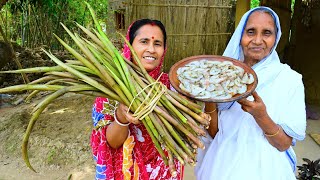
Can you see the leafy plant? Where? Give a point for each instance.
(309, 170)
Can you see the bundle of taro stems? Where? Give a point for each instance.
(173, 122)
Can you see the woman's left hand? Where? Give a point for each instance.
(277, 137)
(256, 107)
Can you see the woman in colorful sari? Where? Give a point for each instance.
(253, 137)
(121, 146)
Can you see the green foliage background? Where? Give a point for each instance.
(255, 3)
(32, 22)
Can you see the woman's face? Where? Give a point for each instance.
(149, 46)
(258, 38)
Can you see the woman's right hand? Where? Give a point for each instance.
(124, 116)
(118, 131)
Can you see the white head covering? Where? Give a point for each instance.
(240, 139)
(268, 70)
(234, 49)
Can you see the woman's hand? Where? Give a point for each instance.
(256, 107)
(273, 132)
(118, 130)
(125, 116)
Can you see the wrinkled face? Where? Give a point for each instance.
(258, 38)
(149, 46)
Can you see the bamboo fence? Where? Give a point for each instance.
(194, 27)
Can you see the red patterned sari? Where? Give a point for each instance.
(137, 158)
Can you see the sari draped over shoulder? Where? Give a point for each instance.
(137, 158)
(240, 150)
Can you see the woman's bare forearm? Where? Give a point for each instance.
(211, 108)
(116, 133)
(274, 133)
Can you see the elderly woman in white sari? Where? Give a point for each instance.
(253, 137)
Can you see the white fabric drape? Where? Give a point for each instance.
(240, 149)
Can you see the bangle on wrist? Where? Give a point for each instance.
(272, 135)
(116, 120)
(211, 111)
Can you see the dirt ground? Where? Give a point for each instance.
(59, 146)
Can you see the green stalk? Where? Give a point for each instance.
(62, 74)
(35, 70)
(138, 80)
(106, 52)
(77, 55)
(75, 62)
(93, 93)
(105, 47)
(100, 58)
(83, 69)
(192, 123)
(84, 78)
(135, 67)
(173, 109)
(37, 111)
(90, 58)
(156, 143)
(35, 92)
(122, 91)
(25, 87)
(117, 58)
(42, 79)
(178, 126)
(146, 103)
(193, 106)
(116, 55)
(172, 149)
(81, 87)
(91, 35)
(33, 120)
(168, 139)
(187, 110)
(174, 134)
(172, 166)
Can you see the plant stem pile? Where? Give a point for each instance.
(173, 122)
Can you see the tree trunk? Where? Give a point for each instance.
(303, 51)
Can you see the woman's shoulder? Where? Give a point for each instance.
(289, 74)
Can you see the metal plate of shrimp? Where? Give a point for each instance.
(212, 78)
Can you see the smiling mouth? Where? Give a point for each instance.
(149, 58)
(256, 48)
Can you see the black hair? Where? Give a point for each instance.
(141, 22)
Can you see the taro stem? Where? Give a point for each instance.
(172, 166)
(85, 78)
(35, 70)
(195, 107)
(35, 116)
(188, 111)
(175, 136)
(31, 87)
(179, 126)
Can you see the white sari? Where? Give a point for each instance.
(240, 149)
